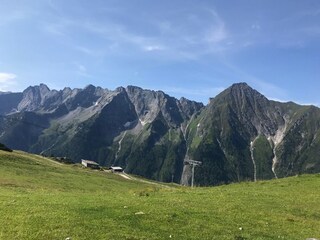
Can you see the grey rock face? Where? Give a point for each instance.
(149, 104)
(33, 98)
(239, 135)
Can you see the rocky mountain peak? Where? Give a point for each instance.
(240, 95)
(33, 97)
(43, 89)
(131, 88)
(240, 85)
(89, 87)
(239, 135)
(248, 107)
(190, 107)
(239, 91)
(120, 89)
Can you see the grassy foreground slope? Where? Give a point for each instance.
(41, 199)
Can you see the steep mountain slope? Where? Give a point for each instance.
(131, 127)
(240, 135)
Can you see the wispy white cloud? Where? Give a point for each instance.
(6, 77)
(7, 81)
(81, 70)
(204, 33)
(152, 48)
(216, 35)
(217, 31)
(119, 38)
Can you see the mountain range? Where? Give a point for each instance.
(239, 135)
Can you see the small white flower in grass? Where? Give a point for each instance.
(240, 228)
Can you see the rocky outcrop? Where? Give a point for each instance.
(240, 135)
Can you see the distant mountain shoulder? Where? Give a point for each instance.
(240, 135)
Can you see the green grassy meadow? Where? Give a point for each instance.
(41, 199)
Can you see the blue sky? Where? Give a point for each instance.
(186, 48)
